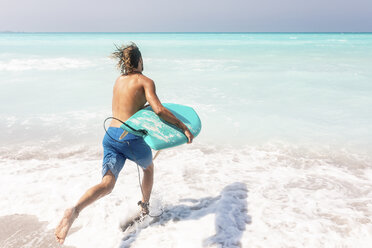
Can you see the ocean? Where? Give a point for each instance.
(284, 158)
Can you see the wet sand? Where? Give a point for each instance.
(22, 230)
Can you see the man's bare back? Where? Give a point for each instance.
(128, 96)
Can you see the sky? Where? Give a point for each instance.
(186, 15)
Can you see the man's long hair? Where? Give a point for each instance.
(128, 56)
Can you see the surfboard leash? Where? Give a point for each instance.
(144, 132)
(143, 195)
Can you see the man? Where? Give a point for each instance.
(131, 92)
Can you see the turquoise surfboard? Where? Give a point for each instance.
(159, 134)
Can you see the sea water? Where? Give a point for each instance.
(283, 158)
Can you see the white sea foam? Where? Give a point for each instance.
(197, 64)
(272, 196)
(47, 64)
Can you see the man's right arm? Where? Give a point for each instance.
(161, 111)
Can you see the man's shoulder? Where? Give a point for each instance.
(142, 81)
(146, 80)
(143, 78)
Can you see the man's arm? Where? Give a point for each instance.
(161, 111)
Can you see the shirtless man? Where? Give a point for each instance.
(131, 92)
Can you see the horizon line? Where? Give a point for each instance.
(182, 32)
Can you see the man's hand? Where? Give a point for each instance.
(189, 136)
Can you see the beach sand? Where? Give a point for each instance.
(21, 230)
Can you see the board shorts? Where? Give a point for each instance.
(131, 147)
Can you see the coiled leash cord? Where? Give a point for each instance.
(140, 203)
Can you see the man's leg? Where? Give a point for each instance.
(91, 195)
(147, 182)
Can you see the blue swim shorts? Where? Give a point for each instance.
(132, 147)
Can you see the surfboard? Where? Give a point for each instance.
(159, 134)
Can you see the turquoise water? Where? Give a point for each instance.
(249, 88)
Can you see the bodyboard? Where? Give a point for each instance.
(159, 134)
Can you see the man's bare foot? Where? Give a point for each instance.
(64, 225)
